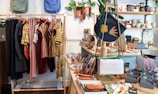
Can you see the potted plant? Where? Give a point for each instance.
(81, 8)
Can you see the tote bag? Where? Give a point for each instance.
(52, 6)
(111, 22)
(19, 6)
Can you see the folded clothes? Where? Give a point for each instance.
(130, 79)
(132, 74)
(155, 77)
(92, 87)
(135, 72)
(146, 82)
(148, 74)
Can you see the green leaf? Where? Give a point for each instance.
(92, 4)
(121, 17)
(113, 9)
(69, 8)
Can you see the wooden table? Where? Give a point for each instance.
(78, 90)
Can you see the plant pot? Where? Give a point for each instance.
(87, 10)
(78, 12)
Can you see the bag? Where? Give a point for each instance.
(52, 6)
(111, 23)
(19, 6)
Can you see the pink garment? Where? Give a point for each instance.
(33, 61)
(152, 64)
(146, 63)
(149, 64)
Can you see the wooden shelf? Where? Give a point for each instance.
(142, 28)
(127, 53)
(137, 13)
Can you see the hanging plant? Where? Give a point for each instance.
(81, 8)
(73, 4)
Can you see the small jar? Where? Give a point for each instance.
(142, 9)
(129, 7)
(141, 4)
(147, 8)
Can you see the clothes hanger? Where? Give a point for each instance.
(23, 20)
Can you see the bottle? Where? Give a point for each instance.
(103, 50)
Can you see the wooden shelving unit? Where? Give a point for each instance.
(142, 28)
(137, 13)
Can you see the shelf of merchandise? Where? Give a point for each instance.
(142, 28)
(137, 13)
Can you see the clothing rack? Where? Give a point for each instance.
(32, 15)
(13, 82)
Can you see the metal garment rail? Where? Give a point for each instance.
(13, 82)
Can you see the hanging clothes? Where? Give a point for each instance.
(43, 29)
(41, 62)
(50, 36)
(16, 59)
(59, 48)
(32, 50)
(20, 61)
(25, 40)
(34, 44)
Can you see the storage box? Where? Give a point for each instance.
(110, 66)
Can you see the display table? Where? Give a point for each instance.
(129, 56)
(75, 88)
